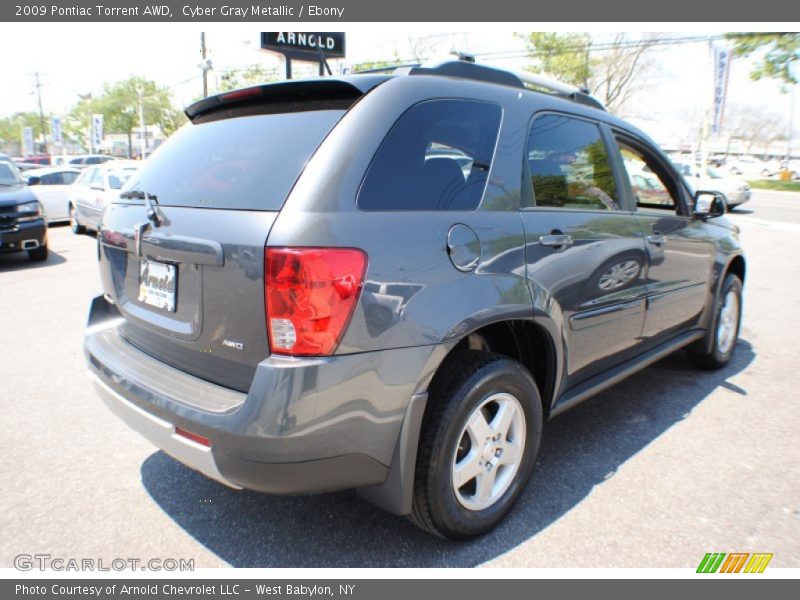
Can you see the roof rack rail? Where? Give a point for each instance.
(465, 67)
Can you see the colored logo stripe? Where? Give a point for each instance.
(758, 563)
(734, 562)
(711, 562)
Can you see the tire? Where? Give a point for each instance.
(74, 223)
(721, 345)
(39, 254)
(473, 384)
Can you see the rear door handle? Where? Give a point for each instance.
(556, 240)
(657, 239)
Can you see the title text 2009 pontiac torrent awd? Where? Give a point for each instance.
(390, 282)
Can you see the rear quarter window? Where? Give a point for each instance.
(437, 156)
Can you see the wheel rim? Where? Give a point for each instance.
(489, 452)
(619, 275)
(73, 222)
(728, 322)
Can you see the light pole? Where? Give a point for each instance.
(142, 132)
(793, 73)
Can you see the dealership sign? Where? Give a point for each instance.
(304, 45)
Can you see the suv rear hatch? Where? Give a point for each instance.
(191, 286)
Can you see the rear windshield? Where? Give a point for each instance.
(246, 163)
(8, 174)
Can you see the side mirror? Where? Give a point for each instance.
(34, 180)
(709, 204)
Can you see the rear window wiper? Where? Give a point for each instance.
(150, 202)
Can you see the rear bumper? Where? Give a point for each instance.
(739, 197)
(27, 235)
(306, 425)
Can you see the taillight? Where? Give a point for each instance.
(310, 296)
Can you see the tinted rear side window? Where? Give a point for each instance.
(569, 164)
(241, 163)
(437, 156)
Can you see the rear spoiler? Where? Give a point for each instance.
(293, 91)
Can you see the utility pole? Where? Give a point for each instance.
(204, 64)
(38, 86)
(142, 130)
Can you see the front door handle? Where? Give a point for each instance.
(556, 240)
(657, 239)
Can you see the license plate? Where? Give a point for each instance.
(157, 284)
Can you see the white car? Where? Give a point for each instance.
(51, 187)
(752, 167)
(735, 190)
(94, 190)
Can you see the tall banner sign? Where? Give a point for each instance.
(28, 149)
(55, 131)
(97, 132)
(722, 67)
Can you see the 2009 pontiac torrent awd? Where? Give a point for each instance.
(391, 281)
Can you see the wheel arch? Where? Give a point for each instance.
(532, 342)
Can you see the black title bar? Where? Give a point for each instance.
(451, 11)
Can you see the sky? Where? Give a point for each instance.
(77, 59)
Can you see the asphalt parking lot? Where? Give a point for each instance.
(655, 472)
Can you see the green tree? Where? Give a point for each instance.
(250, 75)
(566, 56)
(119, 105)
(374, 64)
(11, 126)
(77, 120)
(613, 70)
(776, 53)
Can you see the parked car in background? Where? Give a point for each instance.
(93, 191)
(87, 160)
(22, 222)
(38, 159)
(51, 187)
(26, 166)
(735, 190)
(752, 167)
(793, 167)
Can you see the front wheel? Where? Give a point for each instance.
(478, 444)
(38, 254)
(74, 224)
(721, 339)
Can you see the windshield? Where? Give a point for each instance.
(242, 163)
(9, 175)
(116, 179)
(683, 169)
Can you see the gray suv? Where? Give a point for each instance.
(390, 281)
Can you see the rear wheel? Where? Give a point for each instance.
(76, 226)
(39, 254)
(721, 339)
(478, 444)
